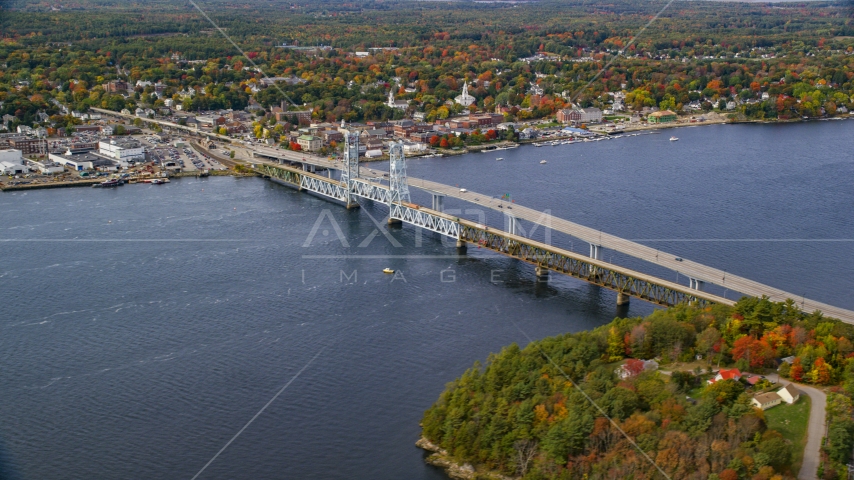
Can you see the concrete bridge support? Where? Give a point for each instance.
(511, 224)
(695, 284)
(461, 247)
(623, 298)
(438, 202)
(542, 274)
(596, 251)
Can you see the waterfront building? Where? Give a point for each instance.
(579, 115)
(11, 155)
(46, 167)
(663, 116)
(85, 161)
(125, 150)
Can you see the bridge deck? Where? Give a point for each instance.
(657, 257)
(687, 267)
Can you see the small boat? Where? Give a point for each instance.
(157, 181)
(674, 139)
(499, 159)
(388, 270)
(543, 162)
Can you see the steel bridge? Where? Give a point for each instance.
(354, 185)
(697, 274)
(546, 258)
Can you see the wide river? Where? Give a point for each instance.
(142, 327)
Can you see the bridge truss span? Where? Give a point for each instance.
(426, 219)
(371, 191)
(590, 270)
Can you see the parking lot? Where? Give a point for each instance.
(169, 156)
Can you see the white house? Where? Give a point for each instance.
(766, 400)
(789, 394)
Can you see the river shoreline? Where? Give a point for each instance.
(440, 458)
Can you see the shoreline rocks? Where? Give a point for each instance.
(440, 458)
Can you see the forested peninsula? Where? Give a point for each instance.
(542, 411)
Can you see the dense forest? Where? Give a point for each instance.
(776, 61)
(539, 411)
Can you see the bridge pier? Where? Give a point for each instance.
(395, 221)
(596, 251)
(461, 246)
(695, 284)
(438, 202)
(511, 224)
(542, 274)
(623, 298)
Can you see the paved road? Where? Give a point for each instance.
(657, 257)
(815, 430)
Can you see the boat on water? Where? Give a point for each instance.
(499, 159)
(158, 181)
(388, 270)
(674, 139)
(543, 162)
(113, 182)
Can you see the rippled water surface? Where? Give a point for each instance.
(143, 326)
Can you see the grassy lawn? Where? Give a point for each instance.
(791, 421)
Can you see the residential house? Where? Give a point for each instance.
(789, 394)
(726, 374)
(623, 372)
(766, 400)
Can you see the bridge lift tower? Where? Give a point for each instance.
(398, 186)
(350, 171)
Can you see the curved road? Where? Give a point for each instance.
(815, 430)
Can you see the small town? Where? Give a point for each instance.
(127, 145)
(427, 240)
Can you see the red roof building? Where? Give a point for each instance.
(726, 374)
